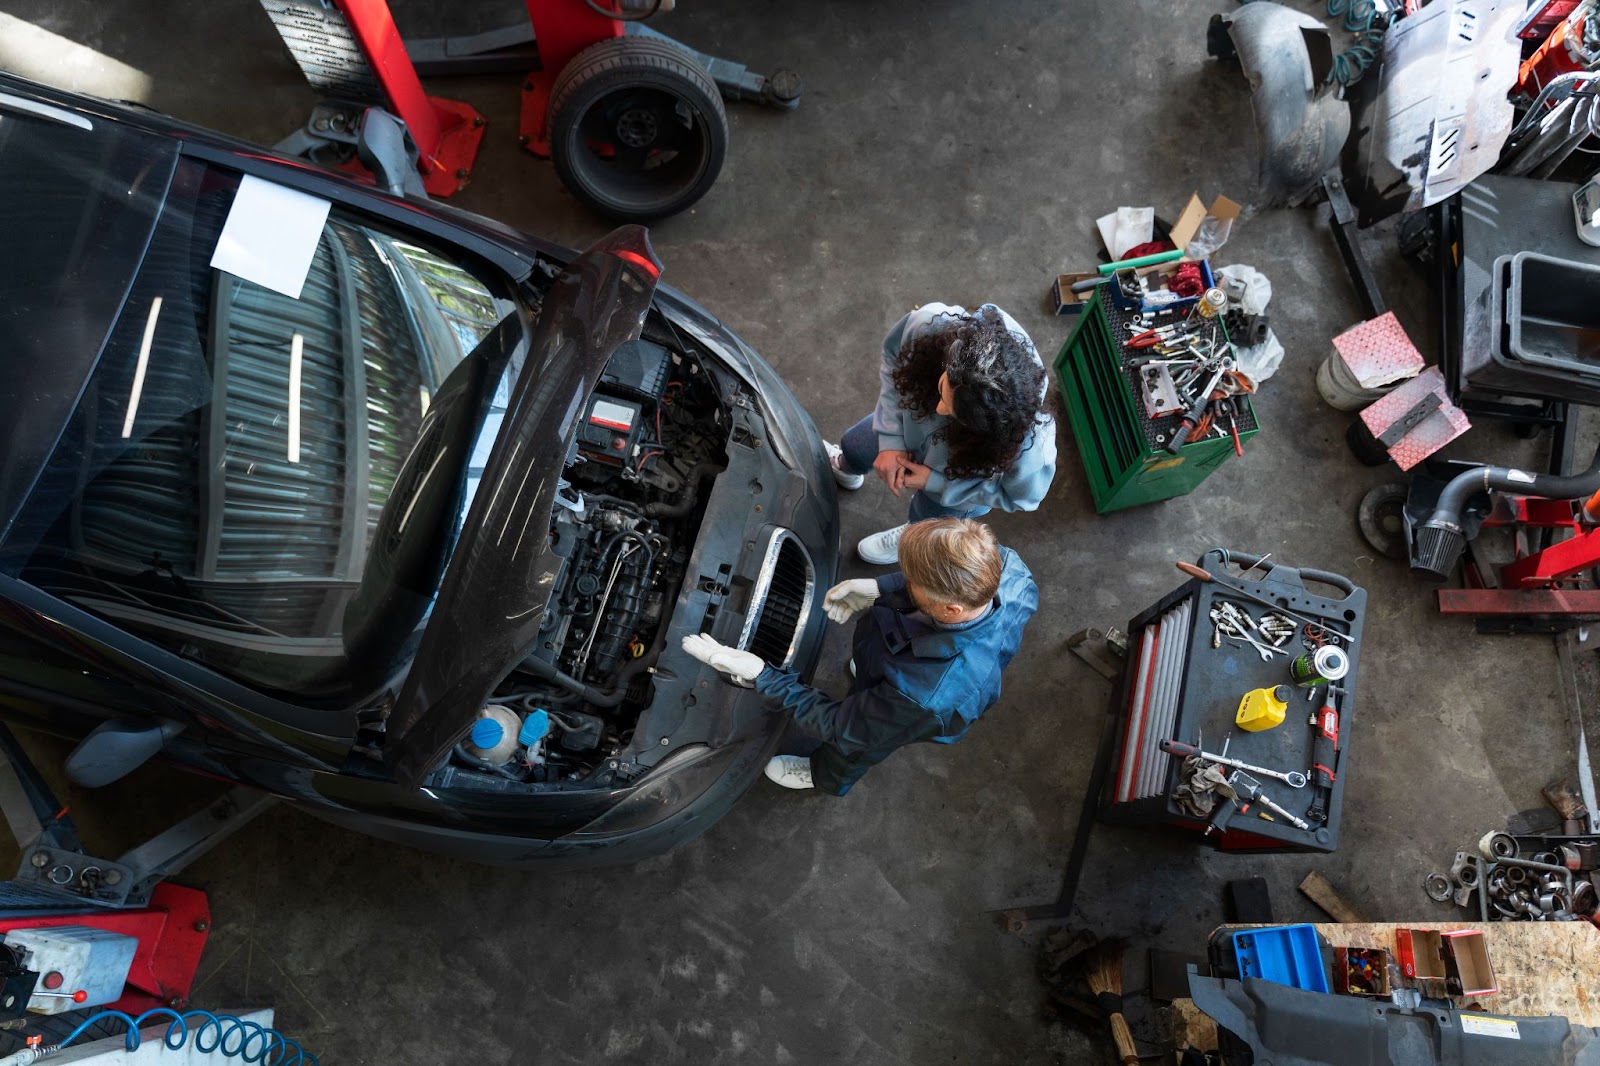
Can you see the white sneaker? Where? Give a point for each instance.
(882, 549)
(845, 480)
(790, 771)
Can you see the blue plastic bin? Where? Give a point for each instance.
(1284, 954)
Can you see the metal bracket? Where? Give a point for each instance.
(1342, 224)
(54, 861)
(1106, 652)
(1413, 418)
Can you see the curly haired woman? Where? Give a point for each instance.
(960, 421)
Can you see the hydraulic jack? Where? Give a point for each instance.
(59, 885)
(632, 119)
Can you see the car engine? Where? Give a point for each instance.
(625, 519)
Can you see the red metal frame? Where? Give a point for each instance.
(561, 29)
(447, 132)
(171, 933)
(1532, 582)
(1555, 563)
(1519, 603)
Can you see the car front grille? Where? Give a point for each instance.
(781, 603)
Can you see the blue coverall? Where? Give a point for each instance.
(915, 680)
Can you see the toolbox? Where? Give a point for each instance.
(1177, 687)
(1287, 955)
(1123, 449)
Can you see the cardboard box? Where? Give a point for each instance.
(1361, 971)
(1421, 953)
(1468, 961)
(1066, 301)
(1224, 210)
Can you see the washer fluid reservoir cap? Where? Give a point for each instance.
(534, 727)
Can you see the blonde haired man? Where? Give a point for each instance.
(928, 652)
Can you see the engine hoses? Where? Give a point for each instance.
(216, 1034)
(483, 764)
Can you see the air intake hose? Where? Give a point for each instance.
(1439, 541)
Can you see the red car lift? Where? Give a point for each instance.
(59, 884)
(637, 131)
(354, 57)
(1538, 592)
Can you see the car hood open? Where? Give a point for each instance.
(495, 588)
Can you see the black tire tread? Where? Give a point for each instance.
(633, 53)
(624, 60)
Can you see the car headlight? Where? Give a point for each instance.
(683, 778)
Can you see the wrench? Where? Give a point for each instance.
(1294, 778)
(1247, 786)
(1266, 651)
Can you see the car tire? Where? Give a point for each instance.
(637, 129)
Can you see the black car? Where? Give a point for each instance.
(413, 548)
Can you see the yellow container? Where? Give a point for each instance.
(1262, 708)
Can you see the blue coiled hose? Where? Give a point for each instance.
(224, 1034)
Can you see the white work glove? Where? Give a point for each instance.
(849, 598)
(742, 667)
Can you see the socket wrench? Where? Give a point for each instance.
(1294, 779)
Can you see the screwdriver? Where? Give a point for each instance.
(1205, 575)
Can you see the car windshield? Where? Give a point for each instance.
(271, 485)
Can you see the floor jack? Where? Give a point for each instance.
(149, 933)
(1540, 591)
(1551, 585)
(632, 119)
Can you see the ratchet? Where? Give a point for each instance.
(1294, 778)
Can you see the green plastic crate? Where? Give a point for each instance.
(1125, 466)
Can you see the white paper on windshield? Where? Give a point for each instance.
(271, 235)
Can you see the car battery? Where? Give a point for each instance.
(71, 959)
(1183, 683)
(611, 429)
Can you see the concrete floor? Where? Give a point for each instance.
(943, 150)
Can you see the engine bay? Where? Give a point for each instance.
(627, 512)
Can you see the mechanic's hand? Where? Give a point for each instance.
(742, 667)
(914, 476)
(890, 466)
(849, 598)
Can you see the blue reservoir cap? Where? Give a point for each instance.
(534, 727)
(486, 733)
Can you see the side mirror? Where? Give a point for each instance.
(115, 749)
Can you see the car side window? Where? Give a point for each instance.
(220, 485)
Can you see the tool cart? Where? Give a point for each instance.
(1190, 669)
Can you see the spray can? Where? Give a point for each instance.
(1319, 667)
(1211, 303)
